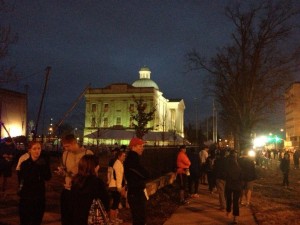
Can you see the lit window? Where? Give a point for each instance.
(94, 107)
(93, 123)
(105, 122)
(118, 121)
(131, 107)
(131, 125)
(106, 107)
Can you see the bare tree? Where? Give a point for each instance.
(142, 117)
(248, 76)
(7, 38)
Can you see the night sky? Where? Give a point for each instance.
(105, 42)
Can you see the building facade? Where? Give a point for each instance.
(111, 108)
(292, 115)
(13, 113)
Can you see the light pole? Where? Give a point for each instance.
(215, 124)
(196, 124)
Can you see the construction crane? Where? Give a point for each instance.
(41, 103)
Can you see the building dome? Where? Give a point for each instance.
(145, 80)
(145, 68)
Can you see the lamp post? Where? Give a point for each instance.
(196, 123)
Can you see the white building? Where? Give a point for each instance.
(109, 109)
(13, 113)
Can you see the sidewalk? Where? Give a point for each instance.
(205, 211)
(200, 211)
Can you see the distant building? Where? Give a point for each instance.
(292, 115)
(108, 111)
(13, 113)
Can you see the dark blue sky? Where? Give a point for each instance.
(104, 42)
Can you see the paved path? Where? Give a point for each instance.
(200, 211)
(205, 211)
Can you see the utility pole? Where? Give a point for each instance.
(215, 125)
(196, 106)
(207, 129)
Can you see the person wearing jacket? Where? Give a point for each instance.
(249, 176)
(183, 165)
(285, 169)
(116, 185)
(72, 154)
(220, 173)
(194, 177)
(33, 173)
(136, 176)
(233, 185)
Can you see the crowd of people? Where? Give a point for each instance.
(229, 174)
(85, 199)
(222, 171)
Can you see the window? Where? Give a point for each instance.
(106, 107)
(131, 108)
(131, 125)
(118, 121)
(105, 122)
(93, 123)
(94, 107)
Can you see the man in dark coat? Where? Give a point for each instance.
(194, 177)
(296, 157)
(7, 156)
(220, 173)
(249, 175)
(136, 176)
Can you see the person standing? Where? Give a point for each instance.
(183, 165)
(87, 186)
(285, 169)
(116, 185)
(249, 176)
(210, 172)
(296, 157)
(220, 173)
(33, 173)
(70, 159)
(7, 156)
(136, 176)
(193, 179)
(203, 155)
(233, 185)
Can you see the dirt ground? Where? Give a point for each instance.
(272, 204)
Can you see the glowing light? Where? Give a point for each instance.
(251, 153)
(15, 130)
(260, 141)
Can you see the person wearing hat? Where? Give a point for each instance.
(136, 176)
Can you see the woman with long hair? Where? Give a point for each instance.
(116, 186)
(33, 173)
(87, 186)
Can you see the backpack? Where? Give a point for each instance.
(97, 214)
(210, 162)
